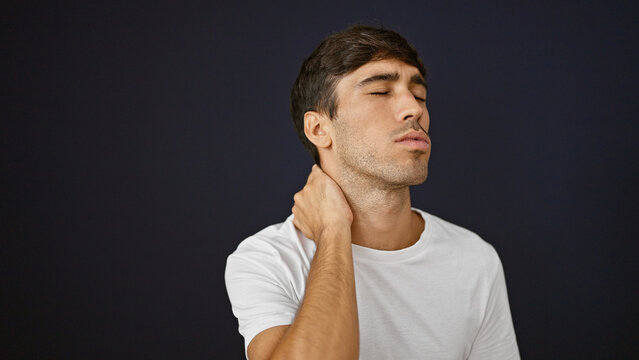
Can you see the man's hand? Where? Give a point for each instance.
(320, 206)
(326, 325)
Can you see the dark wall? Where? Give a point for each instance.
(139, 144)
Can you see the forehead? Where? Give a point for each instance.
(387, 66)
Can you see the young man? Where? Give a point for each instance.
(356, 272)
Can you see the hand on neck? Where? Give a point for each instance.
(382, 217)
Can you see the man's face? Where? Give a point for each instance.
(376, 131)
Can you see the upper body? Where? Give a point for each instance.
(444, 297)
(359, 107)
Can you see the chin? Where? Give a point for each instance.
(417, 174)
(408, 178)
(420, 179)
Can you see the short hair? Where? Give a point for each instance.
(335, 57)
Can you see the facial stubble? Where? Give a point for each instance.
(360, 160)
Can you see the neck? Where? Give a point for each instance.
(382, 216)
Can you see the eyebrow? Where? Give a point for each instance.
(378, 77)
(415, 79)
(419, 80)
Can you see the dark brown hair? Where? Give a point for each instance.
(335, 57)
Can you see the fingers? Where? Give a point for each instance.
(297, 197)
(300, 222)
(320, 204)
(313, 175)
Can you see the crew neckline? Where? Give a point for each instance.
(362, 253)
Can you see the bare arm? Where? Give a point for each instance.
(326, 325)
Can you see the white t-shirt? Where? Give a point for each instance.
(442, 298)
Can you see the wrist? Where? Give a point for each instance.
(335, 233)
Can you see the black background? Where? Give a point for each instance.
(141, 143)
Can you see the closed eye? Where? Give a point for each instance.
(420, 99)
(379, 93)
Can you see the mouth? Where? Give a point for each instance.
(415, 140)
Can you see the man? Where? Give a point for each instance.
(356, 272)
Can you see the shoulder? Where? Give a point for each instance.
(271, 250)
(270, 240)
(459, 242)
(265, 277)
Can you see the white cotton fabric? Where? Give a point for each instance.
(442, 298)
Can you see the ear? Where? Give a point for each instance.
(316, 128)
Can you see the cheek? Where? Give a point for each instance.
(350, 138)
(363, 126)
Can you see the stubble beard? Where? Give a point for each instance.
(359, 162)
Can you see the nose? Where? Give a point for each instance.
(411, 109)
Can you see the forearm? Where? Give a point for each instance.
(326, 325)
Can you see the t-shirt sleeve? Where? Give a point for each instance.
(258, 291)
(496, 338)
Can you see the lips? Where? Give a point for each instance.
(415, 140)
